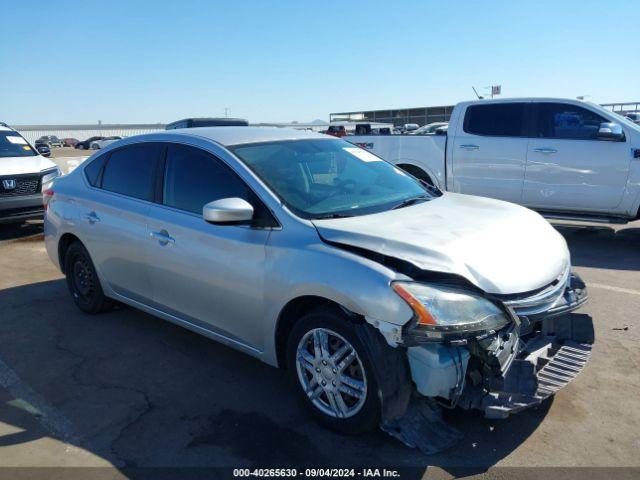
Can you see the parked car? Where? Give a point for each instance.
(24, 173)
(69, 142)
(207, 122)
(49, 141)
(314, 255)
(98, 144)
(43, 150)
(442, 130)
(409, 127)
(86, 144)
(634, 117)
(429, 129)
(565, 158)
(336, 131)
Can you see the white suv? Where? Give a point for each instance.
(24, 175)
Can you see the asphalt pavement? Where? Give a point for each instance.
(125, 389)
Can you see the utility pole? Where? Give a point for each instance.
(226, 112)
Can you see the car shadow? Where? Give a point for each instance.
(15, 231)
(603, 246)
(141, 392)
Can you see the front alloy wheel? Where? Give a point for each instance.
(331, 373)
(334, 375)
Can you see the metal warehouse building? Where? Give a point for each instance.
(421, 115)
(425, 115)
(82, 132)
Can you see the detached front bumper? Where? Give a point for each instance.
(516, 368)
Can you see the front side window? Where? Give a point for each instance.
(131, 170)
(13, 145)
(496, 120)
(194, 178)
(566, 121)
(329, 178)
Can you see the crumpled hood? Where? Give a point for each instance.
(21, 165)
(500, 247)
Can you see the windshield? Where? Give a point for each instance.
(13, 145)
(329, 178)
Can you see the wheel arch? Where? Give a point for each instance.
(63, 245)
(293, 311)
(417, 172)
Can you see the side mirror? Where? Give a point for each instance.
(228, 211)
(610, 131)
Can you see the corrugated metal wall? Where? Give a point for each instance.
(82, 132)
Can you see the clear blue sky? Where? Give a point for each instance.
(157, 61)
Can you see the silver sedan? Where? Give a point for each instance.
(317, 256)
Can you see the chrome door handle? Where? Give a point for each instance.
(470, 147)
(162, 237)
(545, 150)
(92, 217)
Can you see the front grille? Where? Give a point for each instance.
(24, 185)
(540, 300)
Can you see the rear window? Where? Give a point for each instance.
(131, 171)
(496, 120)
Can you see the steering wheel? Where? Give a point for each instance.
(343, 184)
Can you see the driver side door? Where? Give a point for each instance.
(568, 167)
(210, 276)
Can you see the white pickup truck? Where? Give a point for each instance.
(565, 158)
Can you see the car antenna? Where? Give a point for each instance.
(477, 95)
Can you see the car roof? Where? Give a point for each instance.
(241, 135)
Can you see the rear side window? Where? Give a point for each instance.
(496, 120)
(93, 171)
(566, 121)
(131, 171)
(194, 178)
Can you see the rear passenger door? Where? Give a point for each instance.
(211, 276)
(489, 151)
(113, 219)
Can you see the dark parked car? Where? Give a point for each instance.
(44, 150)
(69, 142)
(87, 143)
(207, 122)
(336, 131)
(48, 141)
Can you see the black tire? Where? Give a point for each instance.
(83, 282)
(367, 417)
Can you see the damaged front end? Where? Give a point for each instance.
(499, 371)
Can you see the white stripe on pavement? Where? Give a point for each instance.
(613, 289)
(49, 417)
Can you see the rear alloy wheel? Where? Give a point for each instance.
(83, 282)
(333, 374)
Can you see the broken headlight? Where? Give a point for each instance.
(445, 313)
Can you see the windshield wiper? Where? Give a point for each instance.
(411, 201)
(331, 215)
